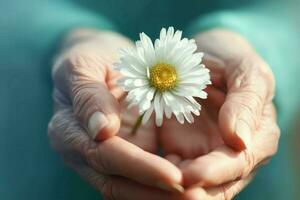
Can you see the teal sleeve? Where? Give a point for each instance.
(40, 23)
(275, 39)
(30, 31)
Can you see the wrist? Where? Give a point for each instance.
(90, 40)
(224, 44)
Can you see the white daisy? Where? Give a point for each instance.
(165, 77)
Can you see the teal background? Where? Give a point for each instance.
(30, 34)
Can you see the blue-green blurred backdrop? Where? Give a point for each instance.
(30, 33)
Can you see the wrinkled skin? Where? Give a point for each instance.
(214, 158)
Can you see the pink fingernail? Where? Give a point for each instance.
(96, 122)
(172, 187)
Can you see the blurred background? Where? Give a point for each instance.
(30, 35)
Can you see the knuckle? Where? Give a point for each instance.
(264, 71)
(67, 137)
(97, 180)
(247, 118)
(108, 189)
(277, 132)
(224, 193)
(248, 98)
(96, 160)
(84, 70)
(84, 62)
(251, 106)
(251, 91)
(83, 99)
(229, 191)
(249, 159)
(76, 60)
(207, 175)
(61, 100)
(249, 102)
(57, 128)
(275, 136)
(267, 73)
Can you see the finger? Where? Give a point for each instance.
(224, 164)
(250, 87)
(88, 83)
(144, 137)
(215, 97)
(113, 156)
(122, 189)
(217, 72)
(119, 188)
(173, 158)
(223, 192)
(116, 156)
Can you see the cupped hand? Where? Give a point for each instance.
(238, 115)
(89, 107)
(236, 131)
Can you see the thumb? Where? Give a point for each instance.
(97, 110)
(90, 86)
(249, 88)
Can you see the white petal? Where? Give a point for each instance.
(140, 82)
(177, 36)
(185, 52)
(190, 91)
(163, 33)
(189, 117)
(195, 112)
(130, 57)
(130, 72)
(200, 74)
(167, 109)
(158, 109)
(150, 94)
(137, 94)
(190, 62)
(147, 45)
(135, 65)
(195, 104)
(147, 114)
(172, 102)
(170, 32)
(179, 116)
(144, 105)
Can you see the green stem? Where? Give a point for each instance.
(137, 124)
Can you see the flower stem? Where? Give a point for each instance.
(137, 124)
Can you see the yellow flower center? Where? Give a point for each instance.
(163, 77)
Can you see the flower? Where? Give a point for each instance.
(164, 77)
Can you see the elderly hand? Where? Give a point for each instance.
(239, 115)
(88, 106)
(237, 129)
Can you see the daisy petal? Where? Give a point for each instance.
(147, 114)
(164, 77)
(158, 109)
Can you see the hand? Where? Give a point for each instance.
(237, 129)
(88, 106)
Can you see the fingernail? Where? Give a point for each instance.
(96, 122)
(243, 131)
(172, 187)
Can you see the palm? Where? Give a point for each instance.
(145, 137)
(191, 140)
(186, 141)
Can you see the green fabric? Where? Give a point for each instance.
(30, 33)
(273, 34)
